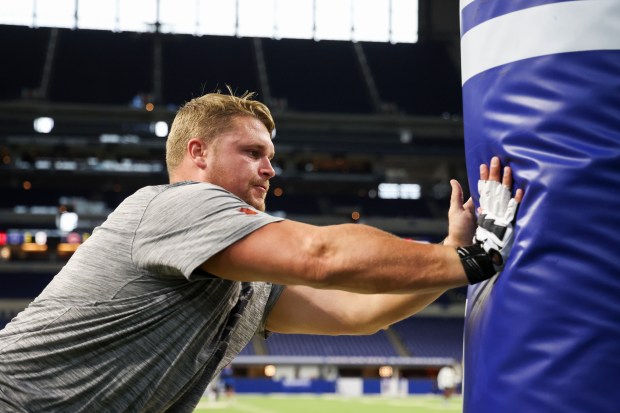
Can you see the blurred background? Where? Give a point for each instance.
(366, 96)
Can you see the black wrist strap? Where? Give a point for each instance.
(476, 262)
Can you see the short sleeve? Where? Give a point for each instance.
(274, 294)
(188, 223)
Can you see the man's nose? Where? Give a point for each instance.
(267, 169)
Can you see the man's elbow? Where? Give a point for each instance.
(357, 321)
(317, 262)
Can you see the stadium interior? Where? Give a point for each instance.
(367, 132)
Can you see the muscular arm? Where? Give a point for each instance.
(349, 257)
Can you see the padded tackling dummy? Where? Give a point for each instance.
(541, 89)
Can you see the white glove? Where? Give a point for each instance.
(495, 221)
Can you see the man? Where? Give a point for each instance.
(179, 278)
(447, 380)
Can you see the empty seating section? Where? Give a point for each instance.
(376, 345)
(396, 208)
(369, 207)
(248, 350)
(294, 204)
(432, 336)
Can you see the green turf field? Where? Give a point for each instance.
(331, 404)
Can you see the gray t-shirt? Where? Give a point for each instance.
(131, 324)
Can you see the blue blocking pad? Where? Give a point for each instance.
(544, 336)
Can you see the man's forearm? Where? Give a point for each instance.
(363, 259)
(387, 309)
(305, 310)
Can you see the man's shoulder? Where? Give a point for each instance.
(188, 192)
(190, 187)
(177, 189)
(187, 199)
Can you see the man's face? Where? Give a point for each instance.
(240, 161)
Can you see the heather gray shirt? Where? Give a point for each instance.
(131, 324)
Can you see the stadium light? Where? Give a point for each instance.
(160, 128)
(67, 221)
(40, 238)
(399, 191)
(43, 124)
(270, 370)
(386, 371)
(5, 253)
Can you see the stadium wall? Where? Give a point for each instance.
(345, 386)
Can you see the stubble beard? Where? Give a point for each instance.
(256, 202)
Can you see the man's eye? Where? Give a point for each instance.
(254, 154)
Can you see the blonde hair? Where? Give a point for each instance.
(207, 116)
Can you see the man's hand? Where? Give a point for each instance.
(496, 212)
(494, 235)
(461, 218)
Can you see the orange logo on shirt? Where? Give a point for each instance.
(247, 211)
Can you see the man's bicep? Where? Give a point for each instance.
(277, 252)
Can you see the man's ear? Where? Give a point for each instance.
(197, 150)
